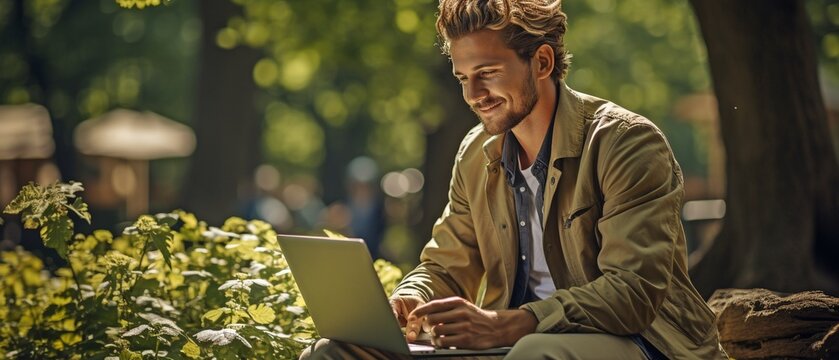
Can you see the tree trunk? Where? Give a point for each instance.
(40, 84)
(441, 148)
(760, 324)
(226, 123)
(782, 174)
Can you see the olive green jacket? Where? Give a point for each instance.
(613, 240)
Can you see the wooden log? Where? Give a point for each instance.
(761, 324)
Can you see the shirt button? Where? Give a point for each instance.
(522, 223)
(521, 189)
(553, 180)
(524, 257)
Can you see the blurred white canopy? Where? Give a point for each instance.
(25, 132)
(133, 135)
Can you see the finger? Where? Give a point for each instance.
(462, 341)
(447, 341)
(437, 306)
(397, 311)
(450, 329)
(404, 309)
(412, 328)
(407, 306)
(394, 305)
(401, 309)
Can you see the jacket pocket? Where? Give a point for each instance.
(566, 224)
(579, 244)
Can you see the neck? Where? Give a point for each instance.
(532, 130)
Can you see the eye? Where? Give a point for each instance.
(487, 73)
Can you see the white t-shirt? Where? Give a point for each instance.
(540, 282)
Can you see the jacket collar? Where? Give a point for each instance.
(568, 129)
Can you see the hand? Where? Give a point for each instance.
(455, 322)
(403, 305)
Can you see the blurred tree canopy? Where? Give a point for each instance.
(643, 55)
(342, 78)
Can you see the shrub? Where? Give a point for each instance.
(168, 287)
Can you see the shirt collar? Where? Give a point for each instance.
(510, 155)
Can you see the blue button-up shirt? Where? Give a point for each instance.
(524, 203)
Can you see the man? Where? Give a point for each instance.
(567, 204)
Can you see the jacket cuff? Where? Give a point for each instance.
(408, 292)
(549, 312)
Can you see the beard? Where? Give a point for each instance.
(514, 116)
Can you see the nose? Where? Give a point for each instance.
(474, 92)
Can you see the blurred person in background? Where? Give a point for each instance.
(367, 217)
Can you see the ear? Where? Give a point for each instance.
(543, 59)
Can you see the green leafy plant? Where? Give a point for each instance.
(168, 287)
(47, 209)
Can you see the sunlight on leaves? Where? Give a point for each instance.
(221, 337)
(136, 331)
(215, 314)
(191, 350)
(261, 313)
(139, 4)
(47, 207)
(265, 72)
(293, 136)
(334, 235)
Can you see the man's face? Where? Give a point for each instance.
(497, 84)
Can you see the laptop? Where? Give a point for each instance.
(345, 298)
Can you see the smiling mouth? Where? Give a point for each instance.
(489, 107)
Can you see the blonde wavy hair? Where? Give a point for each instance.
(525, 25)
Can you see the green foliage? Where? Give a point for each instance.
(140, 4)
(134, 59)
(644, 55)
(155, 232)
(47, 208)
(362, 70)
(168, 287)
